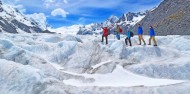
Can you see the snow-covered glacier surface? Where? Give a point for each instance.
(73, 64)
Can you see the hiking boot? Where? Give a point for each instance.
(155, 45)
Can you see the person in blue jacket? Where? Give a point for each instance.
(128, 34)
(140, 34)
(152, 36)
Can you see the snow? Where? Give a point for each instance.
(67, 30)
(100, 64)
(58, 67)
(121, 78)
(40, 18)
(137, 19)
(67, 63)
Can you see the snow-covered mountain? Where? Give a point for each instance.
(66, 29)
(126, 21)
(12, 21)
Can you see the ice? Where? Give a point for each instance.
(174, 69)
(62, 64)
(181, 44)
(17, 78)
(5, 44)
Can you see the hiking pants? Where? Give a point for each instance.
(126, 41)
(141, 38)
(154, 40)
(118, 36)
(106, 39)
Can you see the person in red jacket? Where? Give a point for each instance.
(105, 34)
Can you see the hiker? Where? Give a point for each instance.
(128, 38)
(152, 36)
(105, 34)
(118, 31)
(140, 34)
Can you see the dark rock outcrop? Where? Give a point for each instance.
(47, 31)
(5, 26)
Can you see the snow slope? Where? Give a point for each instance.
(121, 78)
(67, 30)
(77, 64)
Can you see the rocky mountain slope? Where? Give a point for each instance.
(171, 17)
(12, 21)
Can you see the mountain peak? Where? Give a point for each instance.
(125, 21)
(13, 21)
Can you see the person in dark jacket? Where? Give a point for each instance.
(140, 34)
(128, 34)
(152, 36)
(105, 34)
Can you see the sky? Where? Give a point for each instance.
(58, 13)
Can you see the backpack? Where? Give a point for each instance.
(120, 30)
(108, 31)
(131, 34)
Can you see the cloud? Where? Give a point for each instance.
(54, 3)
(65, 1)
(15, 4)
(60, 12)
(20, 8)
(12, 2)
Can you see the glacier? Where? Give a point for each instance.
(78, 64)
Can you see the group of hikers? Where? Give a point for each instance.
(130, 34)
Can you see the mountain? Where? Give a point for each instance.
(12, 21)
(67, 29)
(171, 17)
(126, 21)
